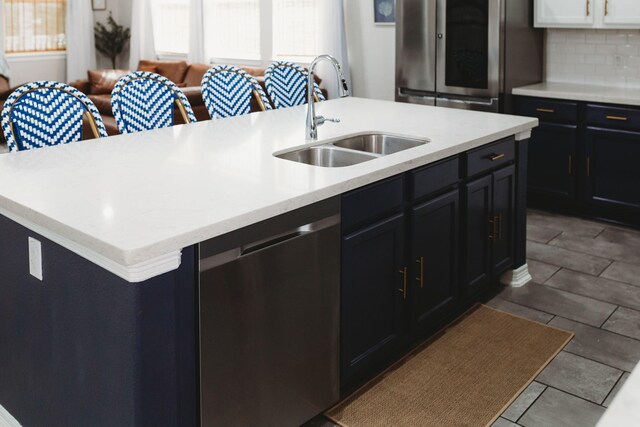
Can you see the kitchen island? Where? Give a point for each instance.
(107, 333)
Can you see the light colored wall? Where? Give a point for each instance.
(602, 57)
(26, 68)
(371, 52)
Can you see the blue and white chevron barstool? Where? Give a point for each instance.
(286, 84)
(47, 113)
(227, 91)
(144, 101)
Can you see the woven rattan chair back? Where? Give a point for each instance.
(227, 92)
(144, 101)
(48, 113)
(286, 84)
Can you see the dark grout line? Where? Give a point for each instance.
(599, 234)
(613, 388)
(551, 320)
(607, 319)
(592, 360)
(611, 260)
(600, 329)
(578, 397)
(553, 238)
(534, 400)
(556, 272)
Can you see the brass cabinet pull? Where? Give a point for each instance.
(588, 8)
(545, 110)
(606, 7)
(570, 164)
(618, 118)
(421, 278)
(403, 289)
(588, 166)
(492, 228)
(495, 157)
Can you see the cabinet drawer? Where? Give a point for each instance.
(372, 202)
(612, 117)
(490, 156)
(432, 178)
(546, 109)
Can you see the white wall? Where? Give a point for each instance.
(371, 52)
(601, 57)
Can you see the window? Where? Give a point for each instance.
(34, 25)
(232, 29)
(241, 31)
(170, 26)
(295, 28)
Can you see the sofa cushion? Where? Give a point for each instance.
(103, 103)
(194, 74)
(173, 70)
(103, 81)
(148, 68)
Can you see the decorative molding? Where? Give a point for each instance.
(517, 278)
(7, 420)
(36, 56)
(133, 273)
(523, 135)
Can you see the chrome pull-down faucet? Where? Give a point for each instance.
(314, 121)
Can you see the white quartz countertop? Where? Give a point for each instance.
(130, 203)
(581, 92)
(624, 411)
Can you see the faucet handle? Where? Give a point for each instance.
(321, 119)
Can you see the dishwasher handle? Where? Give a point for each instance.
(262, 244)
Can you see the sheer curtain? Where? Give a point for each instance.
(333, 41)
(81, 49)
(141, 45)
(196, 32)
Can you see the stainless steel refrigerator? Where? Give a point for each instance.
(466, 53)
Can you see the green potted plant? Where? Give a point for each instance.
(111, 39)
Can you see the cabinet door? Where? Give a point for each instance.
(621, 13)
(504, 182)
(478, 198)
(612, 172)
(552, 160)
(434, 250)
(564, 13)
(372, 291)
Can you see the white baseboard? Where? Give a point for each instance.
(517, 278)
(6, 419)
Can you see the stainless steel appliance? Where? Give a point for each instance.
(269, 320)
(466, 53)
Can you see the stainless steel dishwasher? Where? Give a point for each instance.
(269, 320)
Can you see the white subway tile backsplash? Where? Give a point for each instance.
(604, 57)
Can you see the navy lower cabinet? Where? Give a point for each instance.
(434, 252)
(582, 158)
(400, 256)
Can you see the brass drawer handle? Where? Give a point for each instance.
(421, 278)
(618, 118)
(495, 157)
(588, 8)
(403, 289)
(545, 110)
(606, 8)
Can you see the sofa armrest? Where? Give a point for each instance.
(82, 85)
(193, 94)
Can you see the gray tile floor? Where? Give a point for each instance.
(586, 280)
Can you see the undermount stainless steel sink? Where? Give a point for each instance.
(327, 156)
(379, 143)
(352, 150)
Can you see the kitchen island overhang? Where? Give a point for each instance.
(130, 203)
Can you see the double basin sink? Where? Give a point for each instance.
(352, 150)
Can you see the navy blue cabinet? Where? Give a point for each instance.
(612, 172)
(434, 255)
(582, 158)
(373, 294)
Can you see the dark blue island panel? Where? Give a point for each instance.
(84, 347)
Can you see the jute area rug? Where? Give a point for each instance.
(467, 376)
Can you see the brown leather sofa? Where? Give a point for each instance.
(186, 76)
(5, 91)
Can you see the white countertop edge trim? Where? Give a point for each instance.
(7, 420)
(133, 273)
(523, 135)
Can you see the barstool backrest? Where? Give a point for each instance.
(286, 84)
(47, 113)
(143, 101)
(227, 91)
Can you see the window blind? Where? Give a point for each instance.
(34, 25)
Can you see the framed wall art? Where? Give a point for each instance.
(384, 12)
